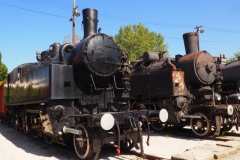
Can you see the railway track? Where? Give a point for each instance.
(148, 156)
(187, 133)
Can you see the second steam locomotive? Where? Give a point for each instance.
(187, 89)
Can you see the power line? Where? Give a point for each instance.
(51, 3)
(106, 15)
(49, 14)
(213, 41)
(117, 17)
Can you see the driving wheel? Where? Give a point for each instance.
(48, 139)
(82, 145)
(201, 126)
(158, 125)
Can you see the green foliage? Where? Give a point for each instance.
(3, 70)
(235, 58)
(136, 39)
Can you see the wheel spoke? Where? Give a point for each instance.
(202, 126)
(158, 125)
(82, 143)
(227, 124)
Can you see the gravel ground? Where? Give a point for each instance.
(16, 145)
(165, 145)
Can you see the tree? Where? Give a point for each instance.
(68, 39)
(136, 39)
(3, 70)
(235, 58)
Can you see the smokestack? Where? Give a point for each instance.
(90, 20)
(191, 42)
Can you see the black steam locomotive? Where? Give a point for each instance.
(77, 91)
(186, 89)
(230, 89)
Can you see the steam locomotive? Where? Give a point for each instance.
(230, 89)
(77, 91)
(186, 89)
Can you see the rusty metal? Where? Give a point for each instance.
(198, 67)
(149, 57)
(168, 83)
(3, 109)
(191, 42)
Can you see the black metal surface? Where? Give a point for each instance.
(41, 84)
(61, 82)
(52, 54)
(99, 54)
(90, 20)
(230, 72)
(54, 49)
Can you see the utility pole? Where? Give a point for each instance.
(198, 30)
(74, 14)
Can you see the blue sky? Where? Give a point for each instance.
(30, 25)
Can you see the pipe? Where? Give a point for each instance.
(66, 48)
(235, 96)
(140, 138)
(225, 109)
(118, 130)
(90, 21)
(72, 130)
(191, 42)
(143, 117)
(173, 67)
(33, 111)
(191, 116)
(153, 115)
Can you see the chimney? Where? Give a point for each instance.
(90, 20)
(191, 42)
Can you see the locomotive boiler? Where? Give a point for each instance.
(186, 89)
(77, 91)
